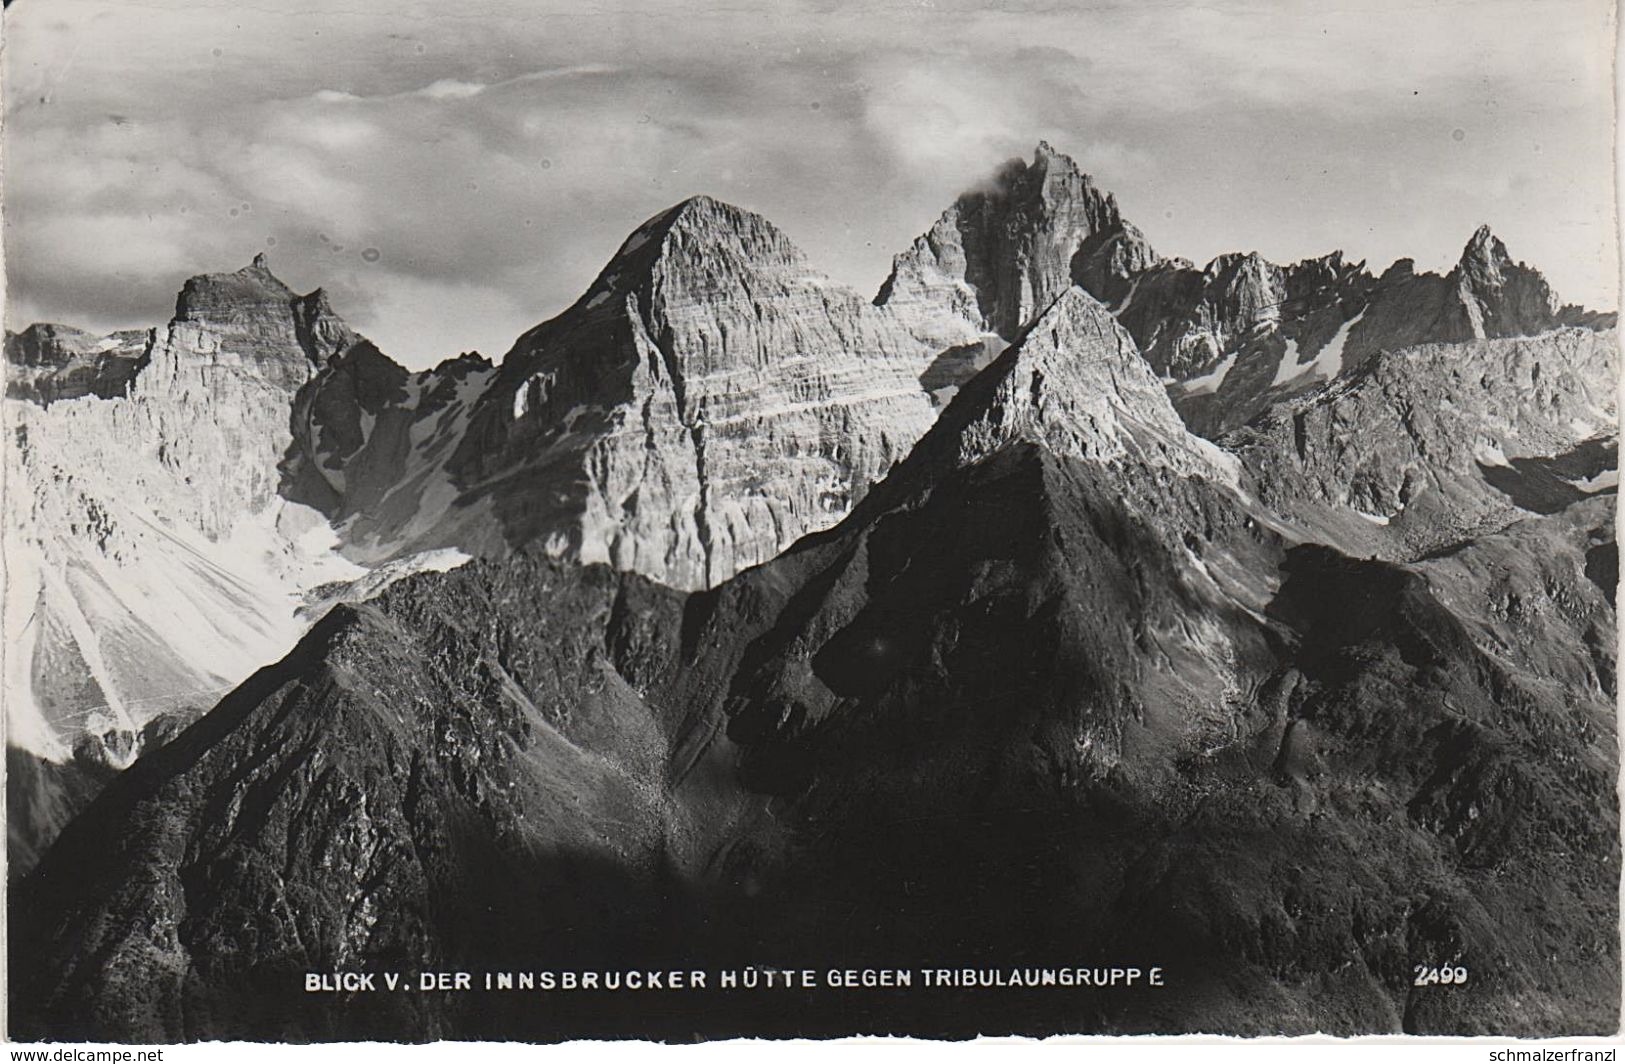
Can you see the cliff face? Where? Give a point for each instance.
(151, 563)
(708, 400)
(999, 257)
(1062, 685)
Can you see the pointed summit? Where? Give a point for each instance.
(1500, 296)
(698, 239)
(1074, 383)
(1485, 261)
(767, 398)
(701, 220)
(1485, 256)
(999, 256)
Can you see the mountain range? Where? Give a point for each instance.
(1063, 602)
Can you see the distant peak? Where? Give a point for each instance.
(1401, 270)
(1484, 248)
(260, 262)
(703, 202)
(700, 227)
(211, 296)
(707, 212)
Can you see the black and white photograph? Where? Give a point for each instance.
(654, 520)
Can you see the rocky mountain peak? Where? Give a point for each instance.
(707, 236)
(1075, 384)
(1483, 243)
(225, 296)
(700, 241)
(250, 314)
(711, 373)
(1000, 255)
(47, 362)
(1400, 270)
(1329, 266)
(1061, 181)
(45, 344)
(1484, 261)
(1502, 297)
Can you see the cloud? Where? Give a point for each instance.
(494, 157)
(451, 89)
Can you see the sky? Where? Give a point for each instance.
(455, 173)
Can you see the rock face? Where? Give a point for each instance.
(1061, 686)
(1433, 446)
(1230, 338)
(707, 401)
(1075, 383)
(999, 257)
(151, 562)
(45, 362)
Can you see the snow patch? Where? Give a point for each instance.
(1489, 453)
(1608, 478)
(1328, 361)
(1223, 463)
(1210, 381)
(1289, 367)
(1128, 300)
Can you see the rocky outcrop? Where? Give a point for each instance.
(254, 320)
(1075, 383)
(1060, 686)
(45, 362)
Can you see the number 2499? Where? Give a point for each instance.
(1430, 975)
